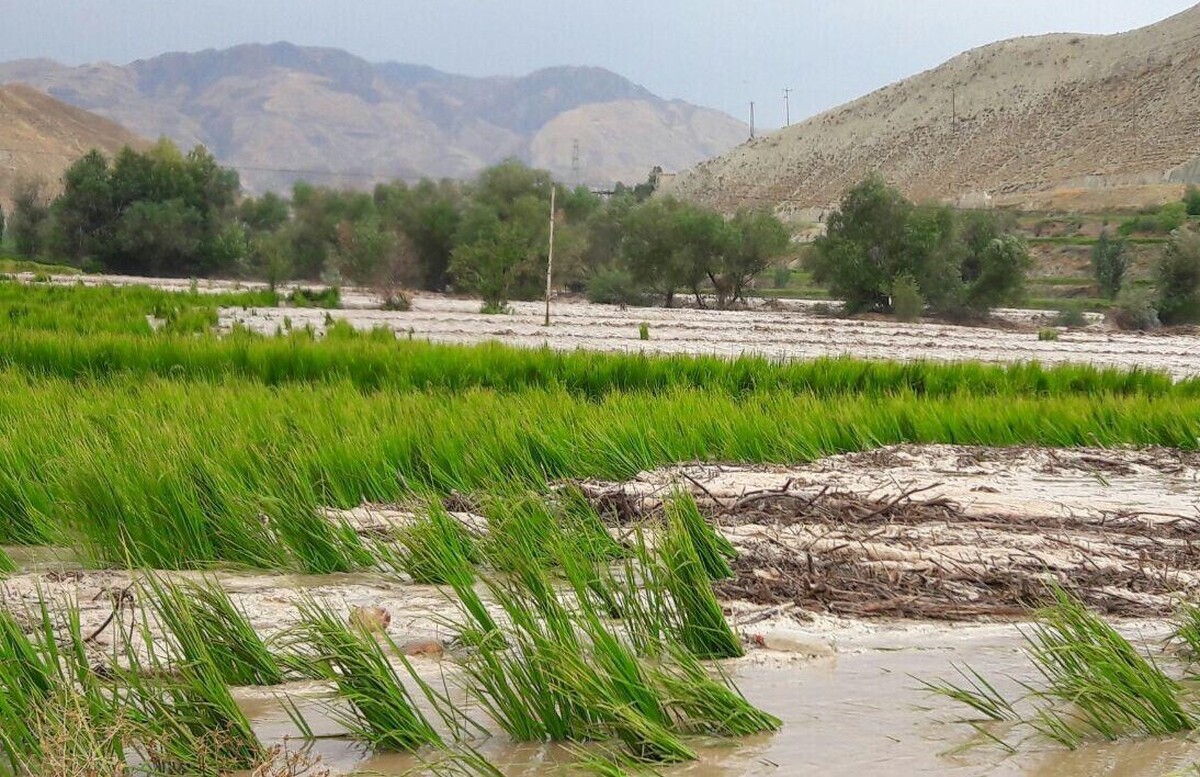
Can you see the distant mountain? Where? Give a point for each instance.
(1072, 121)
(282, 112)
(42, 136)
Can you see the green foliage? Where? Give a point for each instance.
(1137, 309)
(154, 213)
(1178, 280)
(907, 301)
(27, 226)
(1048, 334)
(963, 264)
(644, 331)
(1191, 201)
(329, 298)
(1109, 264)
(615, 286)
(1172, 216)
(1093, 683)
(1071, 316)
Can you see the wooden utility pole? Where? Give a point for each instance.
(787, 107)
(550, 256)
(752, 120)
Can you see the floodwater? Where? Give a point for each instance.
(856, 713)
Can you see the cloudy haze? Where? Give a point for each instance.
(717, 53)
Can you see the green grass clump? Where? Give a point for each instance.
(700, 622)
(329, 298)
(384, 712)
(206, 625)
(1048, 334)
(714, 551)
(1093, 683)
(437, 550)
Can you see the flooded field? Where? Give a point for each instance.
(979, 527)
(791, 333)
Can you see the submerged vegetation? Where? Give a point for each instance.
(1093, 683)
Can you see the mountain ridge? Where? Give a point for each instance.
(273, 108)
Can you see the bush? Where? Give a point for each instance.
(782, 277)
(1178, 276)
(1171, 217)
(907, 301)
(1071, 317)
(1136, 310)
(1109, 263)
(1191, 200)
(643, 331)
(615, 287)
(328, 298)
(1049, 334)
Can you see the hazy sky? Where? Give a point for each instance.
(719, 53)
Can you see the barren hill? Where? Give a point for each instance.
(41, 137)
(283, 112)
(1111, 119)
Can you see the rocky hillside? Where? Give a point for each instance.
(1103, 120)
(283, 112)
(42, 136)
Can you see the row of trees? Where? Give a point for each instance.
(162, 212)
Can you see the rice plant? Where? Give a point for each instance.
(186, 717)
(205, 624)
(1093, 682)
(715, 552)
(680, 572)
(436, 550)
(383, 711)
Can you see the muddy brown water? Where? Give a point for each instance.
(857, 713)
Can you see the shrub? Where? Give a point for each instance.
(1048, 334)
(782, 277)
(1071, 317)
(1178, 276)
(1109, 263)
(907, 301)
(328, 298)
(1171, 217)
(1191, 200)
(644, 331)
(615, 287)
(1136, 310)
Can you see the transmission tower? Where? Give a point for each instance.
(576, 178)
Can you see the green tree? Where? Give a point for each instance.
(492, 262)
(962, 263)
(28, 222)
(756, 239)
(865, 246)
(1109, 263)
(1178, 280)
(501, 252)
(650, 248)
(85, 213)
(267, 213)
(430, 214)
